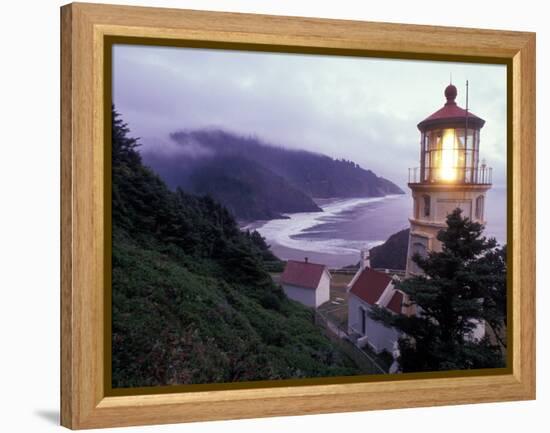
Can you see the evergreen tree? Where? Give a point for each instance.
(462, 284)
(123, 146)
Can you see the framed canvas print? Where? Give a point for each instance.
(268, 216)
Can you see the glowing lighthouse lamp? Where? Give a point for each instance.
(452, 156)
(449, 175)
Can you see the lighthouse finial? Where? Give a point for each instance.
(450, 94)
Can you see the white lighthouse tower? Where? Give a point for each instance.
(450, 175)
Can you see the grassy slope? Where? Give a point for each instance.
(173, 325)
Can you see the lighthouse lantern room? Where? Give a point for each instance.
(450, 175)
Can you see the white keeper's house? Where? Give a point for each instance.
(306, 282)
(368, 288)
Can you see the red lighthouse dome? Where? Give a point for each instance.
(451, 115)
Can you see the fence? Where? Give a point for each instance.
(338, 335)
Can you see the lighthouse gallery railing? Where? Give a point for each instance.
(468, 175)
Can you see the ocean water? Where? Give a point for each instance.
(335, 236)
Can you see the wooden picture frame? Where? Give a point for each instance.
(85, 400)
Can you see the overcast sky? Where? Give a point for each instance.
(362, 109)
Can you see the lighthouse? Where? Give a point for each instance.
(450, 175)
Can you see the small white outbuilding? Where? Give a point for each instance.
(306, 282)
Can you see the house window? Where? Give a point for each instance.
(427, 204)
(479, 207)
(363, 319)
(419, 245)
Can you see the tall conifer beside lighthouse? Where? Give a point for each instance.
(460, 285)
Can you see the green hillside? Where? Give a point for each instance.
(192, 299)
(248, 190)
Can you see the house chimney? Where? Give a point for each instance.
(305, 259)
(365, 259)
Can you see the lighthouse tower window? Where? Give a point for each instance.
(427, 205)
(479, 207)
(420, 247)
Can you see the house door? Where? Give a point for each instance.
(363, 315)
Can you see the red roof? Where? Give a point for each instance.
(451, 113)
(370, 285)
(302, 274)
(396, 302)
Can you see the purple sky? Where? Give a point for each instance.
(363, 109)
